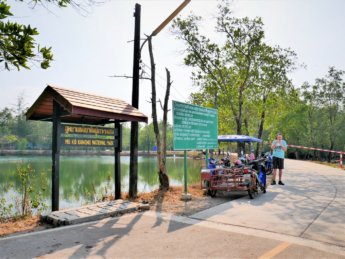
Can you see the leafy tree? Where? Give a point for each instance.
(6, 119)
(17, 133)
(147, 138)
(272, 84)
(17, 43)
(314, 118)
(326, 99)
(18, 46)
(243, 77)
(290, 119)
(30, 197)
(39, 134)
(125, 136)
(226, 71)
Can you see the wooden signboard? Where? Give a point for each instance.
(88, 136)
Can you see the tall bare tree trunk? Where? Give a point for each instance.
(161, 146)
(260, 132)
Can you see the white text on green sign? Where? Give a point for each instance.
(194, 127)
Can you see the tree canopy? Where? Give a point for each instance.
(242, 75)
(18, 48)
(248, 80)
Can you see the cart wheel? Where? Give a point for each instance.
(212, 193)
(263, 188)
(206, 183)
(250, 193)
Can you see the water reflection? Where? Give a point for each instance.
(86, 179)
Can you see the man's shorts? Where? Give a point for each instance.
(278, 163)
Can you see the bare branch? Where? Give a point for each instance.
(130, 77)
(124, 76)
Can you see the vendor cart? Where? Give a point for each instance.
(248, 177)
(232, 179)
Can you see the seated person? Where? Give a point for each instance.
(251, 156)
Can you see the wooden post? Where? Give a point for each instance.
(133, 164)
(117, 150)
(56, 155)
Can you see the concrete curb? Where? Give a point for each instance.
(92, 212)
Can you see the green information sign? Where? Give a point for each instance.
(194, 127)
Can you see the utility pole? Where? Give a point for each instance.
(133, 165)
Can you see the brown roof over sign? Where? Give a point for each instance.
(79, 107)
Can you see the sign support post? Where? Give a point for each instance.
(56, 155)
(185, 171)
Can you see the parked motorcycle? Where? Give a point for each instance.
(268, 163)
(258, 167)
(225, 162)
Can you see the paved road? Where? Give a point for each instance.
(304, 219)
(311, 205)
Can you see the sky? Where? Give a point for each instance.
(89, 48)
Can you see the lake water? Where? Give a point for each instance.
(85, 179)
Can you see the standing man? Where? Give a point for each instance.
(279, 148)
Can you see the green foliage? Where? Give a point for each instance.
(126, 136)
(22, 143)
(8, 141)
(248, 81)
(314, 116)
(17, 43)
(6, 120)
(18, 133)
(325, 101)
(147, 137)
(242, 76)
(4, 10)
(30, 198)
(5, 210)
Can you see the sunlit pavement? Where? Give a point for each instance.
(311, 205)
(303, 219)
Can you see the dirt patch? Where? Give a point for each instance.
(22, 225)
(169, 201)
